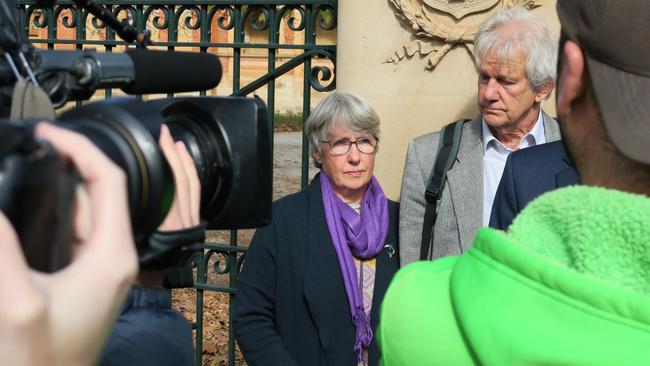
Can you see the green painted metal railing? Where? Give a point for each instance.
(236, 19)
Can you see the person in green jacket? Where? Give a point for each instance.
(569, 283)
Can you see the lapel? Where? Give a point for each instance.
(387, 263)
(568, 176)
(386, 267)
(323, 287)
(465, 181)
(551, 128)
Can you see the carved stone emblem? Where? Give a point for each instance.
(440, 25)
(461, 8)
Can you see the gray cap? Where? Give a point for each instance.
(615, 37)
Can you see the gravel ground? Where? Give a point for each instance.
(286, 180)
(287, 164)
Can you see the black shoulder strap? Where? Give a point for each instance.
(445, 158)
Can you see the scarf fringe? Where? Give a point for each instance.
(364, 334)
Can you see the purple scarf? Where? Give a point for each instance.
(360, 235)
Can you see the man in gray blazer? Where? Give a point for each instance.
(515, 57)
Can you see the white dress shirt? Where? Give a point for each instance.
(494, 160)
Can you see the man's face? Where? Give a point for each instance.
(505, 97)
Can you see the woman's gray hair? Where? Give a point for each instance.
(340, 110)
(526, 33)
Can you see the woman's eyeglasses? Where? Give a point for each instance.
(365, 145)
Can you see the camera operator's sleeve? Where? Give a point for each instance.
(254, 313)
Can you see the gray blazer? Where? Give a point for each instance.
(461, 205)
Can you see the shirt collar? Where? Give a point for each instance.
(535, 136)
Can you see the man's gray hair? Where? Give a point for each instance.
(340, 110)
(526, 33)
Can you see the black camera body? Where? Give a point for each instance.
(37, 192)
(229, 139)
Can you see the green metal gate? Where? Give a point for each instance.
(235, 30)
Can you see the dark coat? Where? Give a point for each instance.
(291, 306)
(529, 173)
(149, 332)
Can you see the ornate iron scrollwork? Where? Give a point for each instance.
(67, 15)
(289, 12)
(224, 15)
(258, 15)
(326, 16)
(38, 15)
(161, 19)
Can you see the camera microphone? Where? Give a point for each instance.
(172, 72)
(75, 75)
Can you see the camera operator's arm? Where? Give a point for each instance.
(147, 321)
(184, 212)
(64, 318)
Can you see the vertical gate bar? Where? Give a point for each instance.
(203, 34)
(274, 38)
(202, 278)
(110, 36)
(238, 36)
(201, 275)
(80, 33)
(83, 30)
(232, 280)
(310, 36)
(51, 28)
(79, 30)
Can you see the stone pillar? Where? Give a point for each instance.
(410, 100)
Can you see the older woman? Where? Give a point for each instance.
(313, 280)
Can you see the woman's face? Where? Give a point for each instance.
(349, 173)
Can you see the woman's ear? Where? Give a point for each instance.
(317, 158)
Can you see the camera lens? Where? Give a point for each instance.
(127, 131)
(229, 139)
(208, 147)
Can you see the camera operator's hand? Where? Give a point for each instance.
(64, 318)
(182, 225)
(186, 207)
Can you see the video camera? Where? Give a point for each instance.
(229, 139)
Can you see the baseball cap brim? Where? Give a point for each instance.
(624, 103)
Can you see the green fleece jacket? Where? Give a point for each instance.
(569, 284)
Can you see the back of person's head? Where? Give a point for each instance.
(614, 38)
(509, 32)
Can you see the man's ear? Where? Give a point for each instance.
(571, 79)
(544, 92)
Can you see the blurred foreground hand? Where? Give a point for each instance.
(64, 318)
